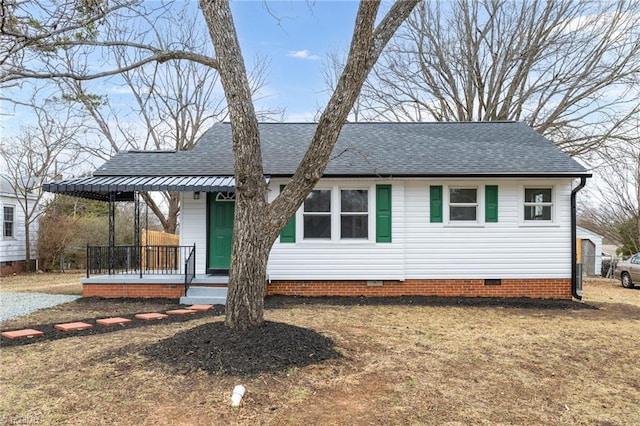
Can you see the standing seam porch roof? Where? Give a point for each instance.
(99, 187)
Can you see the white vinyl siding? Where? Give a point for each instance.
(342, 259)
(12, 249)
(508, 248)
(504, 249)
(193, 227)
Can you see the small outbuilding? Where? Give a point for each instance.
(589, 251)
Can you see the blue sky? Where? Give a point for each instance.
(294, 35)
(296, 39)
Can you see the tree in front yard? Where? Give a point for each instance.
(257, 224)
(50, 32)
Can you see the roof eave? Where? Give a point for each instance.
(553, 175)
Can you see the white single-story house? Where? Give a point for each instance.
(12, 231)
(589, 246)
(444, 209)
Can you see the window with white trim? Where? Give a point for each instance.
(538, 204)
(463, 204)
(8, 221)
(354, 213)
(317, 214)
(337, 214)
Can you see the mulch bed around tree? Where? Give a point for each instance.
(273, 347)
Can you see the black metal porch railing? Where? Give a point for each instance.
(189, 269)
(145, 260)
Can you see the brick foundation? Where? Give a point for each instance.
(169, 291)
(531, 288)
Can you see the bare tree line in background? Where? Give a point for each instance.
(41, 152)
(613, 211)
(175, 101)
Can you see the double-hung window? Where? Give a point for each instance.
(463, 204)
(337, 214)
(8, 222)
(317, 214)
(354, 213)
(538, 204)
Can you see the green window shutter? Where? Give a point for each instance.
(288, 234)
(383, 213)
(491, 203)
(435, 197)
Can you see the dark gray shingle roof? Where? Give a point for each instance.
(370, 149)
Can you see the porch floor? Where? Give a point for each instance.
(200, 279)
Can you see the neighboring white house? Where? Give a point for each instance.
(590, 251)
(12, 240)
(447, 209)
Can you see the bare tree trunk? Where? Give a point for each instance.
(174, 211)
(169, 221)
(637, 201)
(248, 269)
(27, 246)
(250, 249)
(256, 223)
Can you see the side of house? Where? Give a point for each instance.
(448, 237)
(12, 240)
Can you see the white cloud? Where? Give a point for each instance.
(301, 117)
(302, 54)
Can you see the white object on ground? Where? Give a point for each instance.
(236, 397)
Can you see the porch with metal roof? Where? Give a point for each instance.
(122, 188)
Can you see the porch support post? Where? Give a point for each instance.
(136, 231)
(112, 230)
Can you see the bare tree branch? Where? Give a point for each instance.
(570, 69)
(32, 35)
(35, 156)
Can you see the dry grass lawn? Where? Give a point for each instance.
(50, 283)
(400, 365)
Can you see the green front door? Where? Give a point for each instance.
(220, 232)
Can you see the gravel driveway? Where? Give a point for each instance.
(14, 305)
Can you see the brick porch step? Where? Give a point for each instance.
(200, 307)
(73, 326)
(27, 332)
(182, 311)
(108, 322)
(151, 316)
